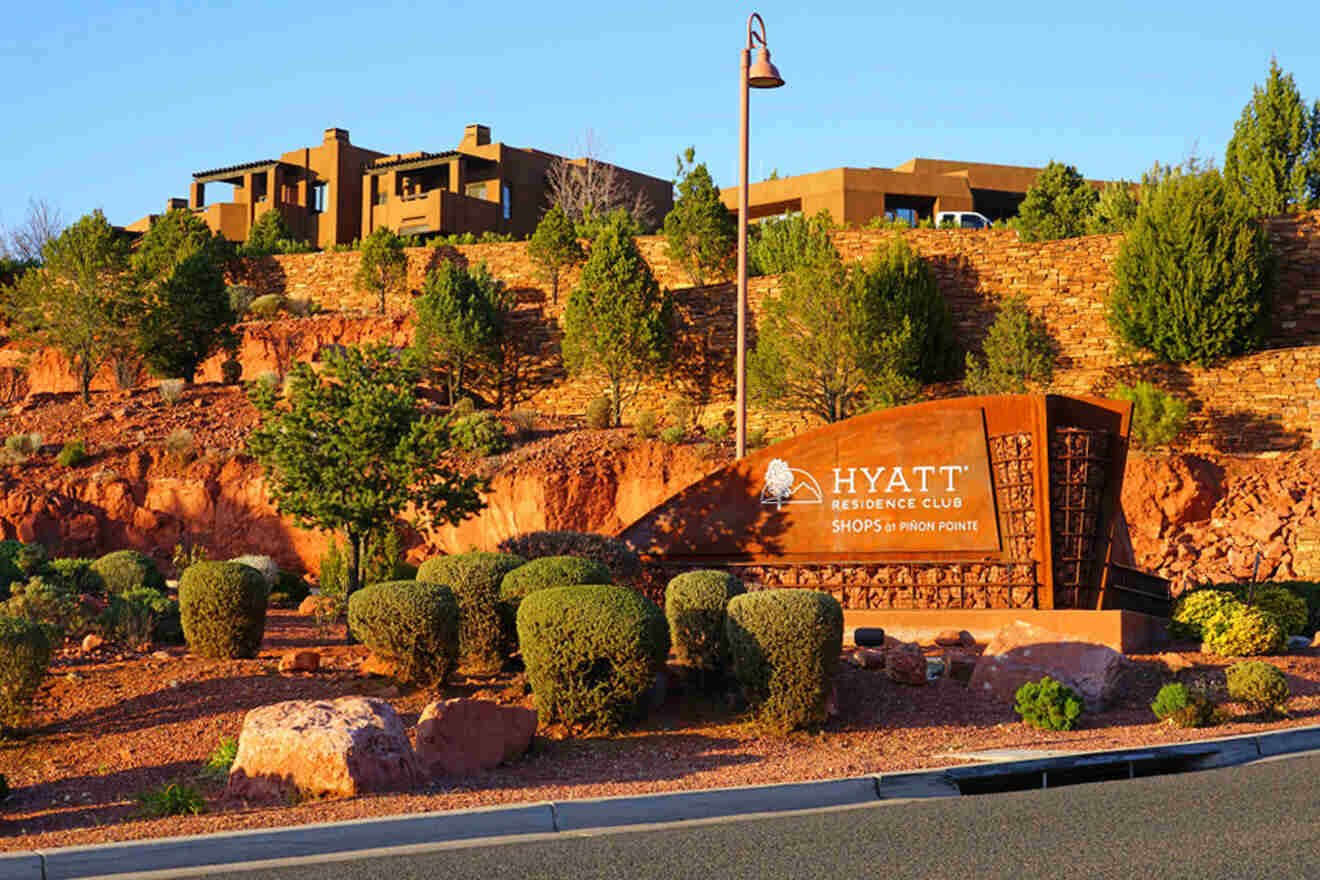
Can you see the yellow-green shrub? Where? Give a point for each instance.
(125, 570)
(412, 624)
(1243, 632)
(592, 652)
(25, 649)
(696, 603)
(223, 607)
(784, 650)
(1194, 610)
(475, 579)
(1182, 706)
(1260, 685)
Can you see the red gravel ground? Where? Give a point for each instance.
(109, 726)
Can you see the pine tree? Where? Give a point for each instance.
(1057, 205)
(382, 265)
(700, 232)
(1114, 211)
(1273, 158)
(554, 247)
(458, 322)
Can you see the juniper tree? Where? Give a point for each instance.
(457, 327)
(382, 265)
(700, 233)
(1273, 158)
(554, 247)
(1057, 205)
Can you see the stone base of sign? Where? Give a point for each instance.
(1127, 631)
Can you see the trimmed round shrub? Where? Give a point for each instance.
(414, 625)
(695, 606)
(144, 615)
(1243, 632)
(475, 579)
(1289, 610)
(264, 566)
(1194, 610)
(125, 570)
(25, 649)
(1182, 707)
(784, 650)
(543, 573)
(1258, 684)
(223, 606)
(1048, 705)
(592, 652)
(612, 553)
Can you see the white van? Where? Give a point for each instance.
(962, 220)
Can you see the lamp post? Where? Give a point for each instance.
(761, 75)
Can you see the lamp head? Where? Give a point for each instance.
(763, 74)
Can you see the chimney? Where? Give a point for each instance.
(175, 205)
(336, 134)
(475, 136)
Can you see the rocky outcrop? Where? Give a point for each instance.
(326, 748)
(1022, 652)
(462, 736)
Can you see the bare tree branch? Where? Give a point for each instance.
(24, 242)
(590, 187)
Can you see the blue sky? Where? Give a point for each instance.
(114, 105)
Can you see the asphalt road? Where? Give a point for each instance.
(1254, 821)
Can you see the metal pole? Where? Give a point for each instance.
(740, 445)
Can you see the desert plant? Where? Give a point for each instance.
(264, 566)
(45, 599)
(1057, 205)
(682, 412)
(784, 650)
(142, 616)
(673, 435)
(231, 371)
(1261, 686)
(124, 570)
(171, 390)
(1194, 610)
(613, 553)
(21, 447)
(412, 624)
(696, 603)
(463, 408)
(700, 234)
(1048, 705)
(187, 553)
(72, 454)
(479, 434)
(269, 382)
(647, 425)
(171, 799)
(1018, 353)
(717, 432)
(541, 574)
(554, 247)
(223, 606)
(592, 652)
(756, 438)
(458, 322)
(475, 580)
(267, 306)
(1157, 416)
(76, 574)
(1243, 632)
(524, 423)
(25, 649)
(778, 245)
(216, 768)
(240, 298)
(180, 446)
(382, 265)
(1182, 706)
(1273, 158)
(598, 413)
(292, 588)
(1287, 609)
(28, 559)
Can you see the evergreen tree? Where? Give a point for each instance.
(382, 265)
(554, 247)
(617, 325)
(1114, 211)
(1018, 353)
(1057, 205)
(457, 324)
(1192, 277)
(271, 235)
(350, 450)
(700, 233)
(75, 302)
(1273, 158)
(781, 244)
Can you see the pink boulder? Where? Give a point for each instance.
(462, 736)
(906, 664)
(316, 748)
(1022, 652)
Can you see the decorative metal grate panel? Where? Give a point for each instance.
(1013, 468)
(1078, 459)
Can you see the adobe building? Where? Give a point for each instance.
(918, 189)
(336, 192)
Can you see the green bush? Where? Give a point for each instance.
(76, 574)
(1018, 352)
(1157, 416)
(463, 408)
(125, 570)
(592, 652)
(293, 586)
(1057, 205)
(695, 606)
(141, 616)
(475, 579)
(267, 306)
(613, 553)
(479, 434)
(72, 454)
(1309, 592)
(27, 559)
(1261, 686)
(1193, 276)
(1048, 705)
(223, 606)
(779, 245)
(718, 432)
(673, 435)
(171, 799)
(543, 573)
(25, 649)
(1194, 610)
(240, 297)
(45, 599)
(647, 424)
(1289, 610)
(1182, 707)
(221, 759)
(600, 413)
(784, 650)
(1243, 632)
(413, 624)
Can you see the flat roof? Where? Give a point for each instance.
(230, 169)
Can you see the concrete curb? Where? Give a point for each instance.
(324, 839)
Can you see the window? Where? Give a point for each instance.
(506, 200)
(318, 197)
(475, 190)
